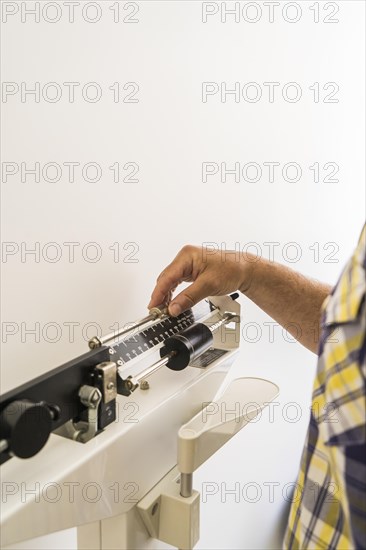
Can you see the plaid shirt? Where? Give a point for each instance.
(330, 511)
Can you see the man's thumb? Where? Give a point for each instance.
(188, 298)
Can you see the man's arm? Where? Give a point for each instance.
(291, 299)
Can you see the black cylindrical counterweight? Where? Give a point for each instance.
(187, 345)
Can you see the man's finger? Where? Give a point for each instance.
(166, 283)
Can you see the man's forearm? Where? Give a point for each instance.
(291, 299)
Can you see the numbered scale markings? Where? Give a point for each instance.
(153, 336)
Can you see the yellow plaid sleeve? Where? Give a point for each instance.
(331, 512)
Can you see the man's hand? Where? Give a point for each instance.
(212, 272)
(291, 299)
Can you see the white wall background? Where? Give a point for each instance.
(169, 132)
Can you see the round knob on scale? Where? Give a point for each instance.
(26, 426)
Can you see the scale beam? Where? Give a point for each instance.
(78, 399)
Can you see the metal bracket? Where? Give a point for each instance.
(100, 402)
(83, 430)
(227, 337)
(106, 380)
(91, 398)
(168, 516)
